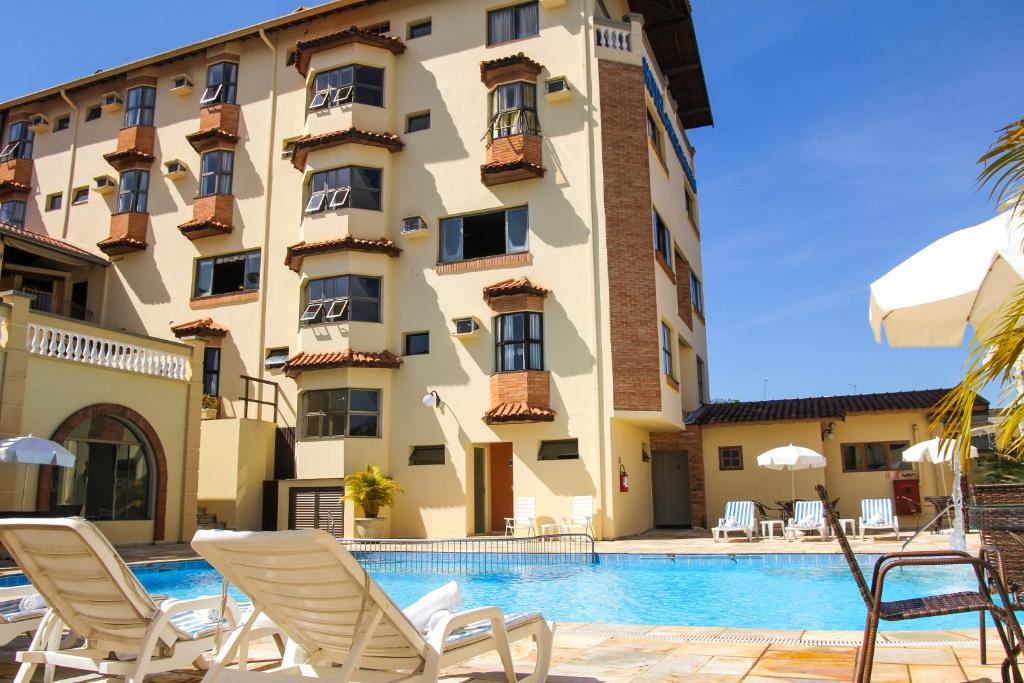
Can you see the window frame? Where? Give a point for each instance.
(428, 449)
(518, 32)
(62, 123)
(528, 342)
(223, 179)
(93, 113)
(82, 192)
(21, 140)
(137, 191)
(226, 86)
(327, 414)
(668, 359)
(655, 135)
(353, 91)
(723, 452)
(696, 293)
(18, 218)
(251, 266)
(417, 116)
(339, 196)
(54, 201)
(702, 387)
(555, 443)
(451, 222)
(211, 377)
(419, 24)
(405, 343)
(323, 306)
(892, 456)
(144, 111)
(662, 237)
(506, 121)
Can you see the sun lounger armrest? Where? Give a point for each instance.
(171, 607)
(449, 624)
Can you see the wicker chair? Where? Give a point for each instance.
(917, 608)
(998, 547)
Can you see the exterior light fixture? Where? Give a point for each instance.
(829, 431)
(431, 400)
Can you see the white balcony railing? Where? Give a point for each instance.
(613, 35)
(52, 342)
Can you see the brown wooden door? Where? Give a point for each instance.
(501, 484)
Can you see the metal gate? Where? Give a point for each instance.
(317, 507)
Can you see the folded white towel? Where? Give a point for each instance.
(31, 602)
(809, 520)
(875, 520)
(444, 599)
(435, 619)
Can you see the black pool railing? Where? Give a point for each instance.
(471, 555)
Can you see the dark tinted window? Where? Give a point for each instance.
(565, 449)
(417, 343)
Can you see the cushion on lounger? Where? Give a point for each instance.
(11, 611)
(479, 630)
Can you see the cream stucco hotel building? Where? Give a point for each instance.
(323, 219)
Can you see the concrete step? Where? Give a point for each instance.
(206, 519)
(211, 525)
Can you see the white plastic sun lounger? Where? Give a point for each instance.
(808, 515)
(341, 626)
(739, 516)
(525, 516)
(90, 589)
(877, 514)
(582, 516)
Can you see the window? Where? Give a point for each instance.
(12, 212)
(54, 201)
(484, 234)
(730, 458)
(141, 105)
(419, 29)
(352, 83)
(227, 274)
(276, 358)
(62, 123)
(519, 342)
(216, 174)
(514, 109)
(348, 187)
(344, 297)
(80, 195)
(93, 112)
(211, 371)
(341, 412)
(20, 141)
(691, 210)
(874, 457)
(662, 238)
(702, 390)
(221, 84)
(512, 23)
(427, 455)
(654, 133)
(564, 449)
(696, 293)
(415, 122)
(417, 343)
(133, 194)
(667, 361)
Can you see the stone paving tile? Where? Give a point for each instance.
(918, 636)
(916, 655)
(723, 664)
(715, 648)
(679, 663)
(926, 673)
(835, 666)
(979, 674)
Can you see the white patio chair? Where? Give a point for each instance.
(808, 516)
(877, 514)
(525, 516)
(739, 516)
(582, 516)
(90, 589)
(341, 626)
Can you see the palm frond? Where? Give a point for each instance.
(1004, 166)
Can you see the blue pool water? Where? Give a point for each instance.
(755, 591)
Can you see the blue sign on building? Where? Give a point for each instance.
(659, 104)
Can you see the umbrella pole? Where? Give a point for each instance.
(792, 486)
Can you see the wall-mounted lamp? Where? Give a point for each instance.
(431, 400)
(829, 431)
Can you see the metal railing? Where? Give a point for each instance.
(472, 555)
(247, 399)
(507, 123)
(45, 302)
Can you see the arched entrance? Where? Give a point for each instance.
(121, 471)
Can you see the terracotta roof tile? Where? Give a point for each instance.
(306, 48)
(297, 252)
(11, 186)
(341, 359)
(114, 246)
(519, 59)
(204, 225)
(821, 407)
(518, 412)
(202, 136)
(6, 229)
(499, 172)
(129, 155)
(304, 145)
(513, 286)
(204, 327)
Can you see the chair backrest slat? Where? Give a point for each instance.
(837, 530)
(582, 507)
(741, 511)
(808, 509)
(876, 508)
(526, 508)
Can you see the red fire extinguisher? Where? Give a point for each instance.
(623, 479)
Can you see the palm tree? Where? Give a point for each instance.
(997, 348)
(371, 490)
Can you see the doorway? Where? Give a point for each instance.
(479, 490)
(500, 481)
(671, 473)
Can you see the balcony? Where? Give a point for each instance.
(46, 302)
(135, 146)
(127, 233)
(15, 177)
(515, 154)
(520, 397)
(211, 215)
(218, 126)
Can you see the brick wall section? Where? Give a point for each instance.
(515, 147)
(683, 290)
(16, 171)
(503, 261)
(525, 386)
(223, 116)
(690, 442)
(636, 374)
(131, 224)
(140, 138)
(217, 207)
(517, 302)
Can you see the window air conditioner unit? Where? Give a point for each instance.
(465, 327)
(39, 123)
(175, 169)
(414, 226)
(111, 102)
(104, 184)
(181, 85)
(556, 89)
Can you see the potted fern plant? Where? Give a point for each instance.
(371, 490)
(211, 407)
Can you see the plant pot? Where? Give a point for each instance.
(210, 413)
(371, 527)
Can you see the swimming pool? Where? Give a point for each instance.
(812, 591)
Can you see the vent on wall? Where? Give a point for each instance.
(104, 184)
(181, 85)
(465, 327)
(414, 226)
(111, 102)
(38, 123)
(556, 89)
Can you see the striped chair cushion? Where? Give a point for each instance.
(808, 513)
(739, 514)
(480, 630)
(11, 612)
(876, 511)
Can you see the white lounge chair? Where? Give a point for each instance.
(808, 515)
(582, 516)
(525, 516)
(341, 626)
(92, 591)
(877, 514)
(739, 516)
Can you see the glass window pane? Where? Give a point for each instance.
(515, 327)
(518, 223)
(365, 311)
(365, 286)
(312, 426)
(362, 425)
(536, 357)
(204, 277)
(364, 400)
(252, 270)
(314, 401)
(451, 240)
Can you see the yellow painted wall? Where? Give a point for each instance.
(237, 457)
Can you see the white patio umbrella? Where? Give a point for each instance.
(935, 451)
(31, 450)
(791, 458)
(929, 299)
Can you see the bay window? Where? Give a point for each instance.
(133, 192)
(217, 172)
(514, 109)
(347, 187)
(341, 412)
(221, 84)
(12, 212)
(485, 234)
(20, 141)
(519, 342)
(352, 83)
(344, 297)
(140, 107)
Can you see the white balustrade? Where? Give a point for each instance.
(613, 37)
(52, 342)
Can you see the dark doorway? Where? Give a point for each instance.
(671, 473)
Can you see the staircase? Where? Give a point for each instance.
(207, 520)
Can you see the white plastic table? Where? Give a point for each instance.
(768, 527)
(849, 526)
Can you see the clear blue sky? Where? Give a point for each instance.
(846, 137)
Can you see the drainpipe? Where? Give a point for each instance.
(261, 338)
(71, 167)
